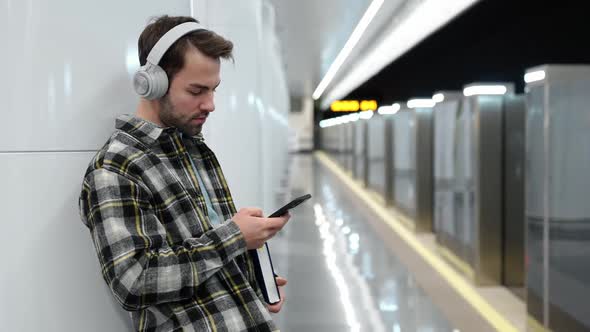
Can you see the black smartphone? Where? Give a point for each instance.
(291, 205)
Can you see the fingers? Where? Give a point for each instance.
(282, 293)
(272, 226)
(281, 281)
(252, 211)
(276, 224)
(275, 308)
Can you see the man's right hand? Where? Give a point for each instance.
(257, 229)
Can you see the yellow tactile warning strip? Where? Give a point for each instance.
(457, 262)
(451, 276)
(534, 326)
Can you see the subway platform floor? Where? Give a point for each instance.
(348, 270)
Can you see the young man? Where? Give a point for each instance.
(171, 246)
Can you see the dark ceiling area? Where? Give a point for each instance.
(493, 41)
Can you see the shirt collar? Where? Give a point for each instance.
(148, 132)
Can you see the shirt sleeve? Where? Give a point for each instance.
(137, 263)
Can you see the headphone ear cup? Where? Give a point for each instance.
(158, 83)
(141, 82)
(150, 82)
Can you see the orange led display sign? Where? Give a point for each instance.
(368, 105)
(353, 105)
(345, 106)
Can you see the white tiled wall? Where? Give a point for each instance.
(67, 75)
(67, 67)
(248, 130)
(50, 278)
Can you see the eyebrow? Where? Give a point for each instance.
(201, 86)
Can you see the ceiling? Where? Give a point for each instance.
(312, 32)
(493, 40)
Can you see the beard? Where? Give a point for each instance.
(172, 118)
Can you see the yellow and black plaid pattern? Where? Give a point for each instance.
(158, 252)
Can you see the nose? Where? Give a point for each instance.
(208, 105)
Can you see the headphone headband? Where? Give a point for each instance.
(150, 81)
(169, 38)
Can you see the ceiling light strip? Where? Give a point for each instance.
(425, 19)
(345, 52)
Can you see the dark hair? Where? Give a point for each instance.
(206, 41)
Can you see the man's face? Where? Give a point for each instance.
(190, 96)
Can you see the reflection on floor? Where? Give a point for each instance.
(342, 277)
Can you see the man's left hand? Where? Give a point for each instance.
(275, 308)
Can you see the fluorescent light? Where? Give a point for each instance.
(427, 17)
(420, 103)
(327, 123)
(342, 119)
(345, 52)
(484, 90)
(534, 76)
(354, 117)
(438, 98)
(384, 110)
(366, 115)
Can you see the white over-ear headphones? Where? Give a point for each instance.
(150, 81)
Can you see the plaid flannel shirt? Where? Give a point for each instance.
(159, 254)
